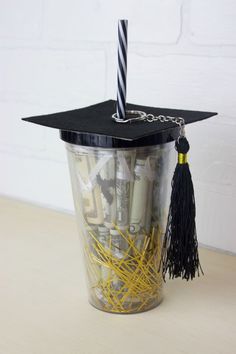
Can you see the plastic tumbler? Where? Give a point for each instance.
(120, 196)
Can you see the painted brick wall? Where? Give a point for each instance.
(57, 55)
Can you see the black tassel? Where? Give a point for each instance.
(180, 247)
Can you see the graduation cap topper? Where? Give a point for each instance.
(118, 124)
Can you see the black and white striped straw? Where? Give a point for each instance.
(122, 68)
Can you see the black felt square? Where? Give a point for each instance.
(96, 119)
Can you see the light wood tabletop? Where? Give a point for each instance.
(43, 299)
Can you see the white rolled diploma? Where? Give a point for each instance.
(91, 197)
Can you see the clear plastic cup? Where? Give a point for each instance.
(120, 197)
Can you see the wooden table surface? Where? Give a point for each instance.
(43, 299)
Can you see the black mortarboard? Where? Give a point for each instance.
(94, 126)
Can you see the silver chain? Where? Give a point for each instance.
(135, 116)
(150, 118)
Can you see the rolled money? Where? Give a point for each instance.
(139, 200)
(106, 181)
(91, 230)
(148, 216)
(165, 183)
(91, 197)
(124, 187)
(118, 244)
(100, 296)
(139, 241)
(103, 236)
(156, 202)
(160, 188)
(93, 270)
(104, 239)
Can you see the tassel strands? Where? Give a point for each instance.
(180, 247)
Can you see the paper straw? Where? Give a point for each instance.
(122, 68)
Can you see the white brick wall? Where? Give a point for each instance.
(213, 22)
(94, 20)
(62, 54)
(21, 19)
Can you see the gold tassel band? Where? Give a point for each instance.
(182, 158)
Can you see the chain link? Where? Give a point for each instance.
(135, 116)
(150, 118)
